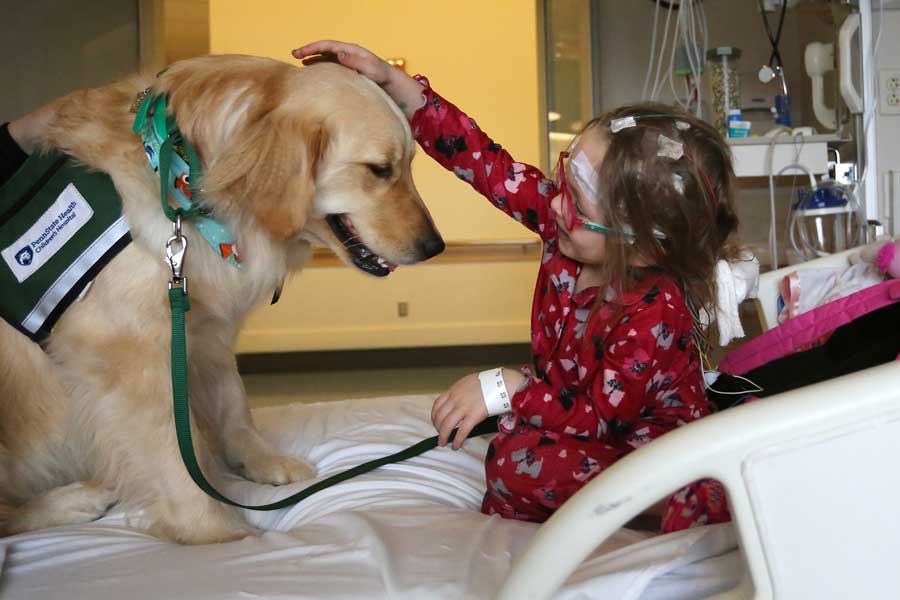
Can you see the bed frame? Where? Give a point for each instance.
(812, 481)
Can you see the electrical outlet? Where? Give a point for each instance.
(403, 309)
(889, 91)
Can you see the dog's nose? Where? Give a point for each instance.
(431, 246)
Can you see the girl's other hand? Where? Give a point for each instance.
(463, 406)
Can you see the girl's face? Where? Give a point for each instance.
(582, 244)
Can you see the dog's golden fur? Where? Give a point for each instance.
(87, 421)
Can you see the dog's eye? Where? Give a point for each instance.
(381, 171)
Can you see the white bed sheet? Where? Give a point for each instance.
(408, 530)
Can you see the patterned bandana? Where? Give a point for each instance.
(150, 122)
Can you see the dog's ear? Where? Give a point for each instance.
(269, 171)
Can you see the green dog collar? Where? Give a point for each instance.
(176, 161)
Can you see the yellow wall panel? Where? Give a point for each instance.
(338, 308)
(481, 55)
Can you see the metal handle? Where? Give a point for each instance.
(845, 73)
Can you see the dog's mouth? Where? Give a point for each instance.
(362, 257)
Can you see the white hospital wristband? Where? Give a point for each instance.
(493, 388)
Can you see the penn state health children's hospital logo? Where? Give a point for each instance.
(24, 256)
(47, 234)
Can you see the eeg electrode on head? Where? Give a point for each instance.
(668, 148)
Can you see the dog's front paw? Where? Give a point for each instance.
(79, 502)
(276, 469)
(82, 502)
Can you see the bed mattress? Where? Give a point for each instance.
(408, 530)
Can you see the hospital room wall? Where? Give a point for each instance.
(47, 51)
(624, 47)
(624, 52)
(484, 57)
(480, 55)
(887, 123)
(186, 28)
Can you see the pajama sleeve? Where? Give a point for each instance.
(557, 409)
(650, 382)
(663, 413)
(641, 387)
(455, 141)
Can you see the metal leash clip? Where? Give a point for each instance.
(176, 248)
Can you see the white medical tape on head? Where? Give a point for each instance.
(493, 388)
(678, 183)
(669, 148)
(585, 175)
(617, 125)
(587, 179)
(682, 125)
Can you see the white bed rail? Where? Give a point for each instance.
(812, 484)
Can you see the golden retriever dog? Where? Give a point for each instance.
(292, 157)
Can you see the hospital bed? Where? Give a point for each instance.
(808, 474)
(809, 481)
(411, 530)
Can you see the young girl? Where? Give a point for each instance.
(633, 225)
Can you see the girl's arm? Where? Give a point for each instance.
(28, 131)
(12, 156)
(637, 392)
(464, 406)
(454, 140)
(451, 137)
(21, 137)
(556, 409)
(661, 415)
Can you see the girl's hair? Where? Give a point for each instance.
(681, 209)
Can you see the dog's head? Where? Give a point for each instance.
(317, 153)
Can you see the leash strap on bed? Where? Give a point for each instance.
(180, 303)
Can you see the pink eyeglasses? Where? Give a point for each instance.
(569, 215)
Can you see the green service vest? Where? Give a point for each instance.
(59, 225)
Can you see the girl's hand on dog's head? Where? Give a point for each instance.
(403, 89)
(349, 55)
(461, 406)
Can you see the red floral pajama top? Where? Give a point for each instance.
(607, 377)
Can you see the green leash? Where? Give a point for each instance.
(178, 300)
(176, 248)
